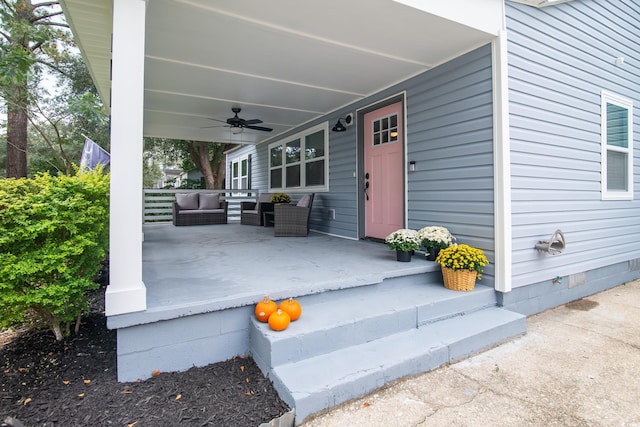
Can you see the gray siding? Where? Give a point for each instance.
(450, 137)
(560, 58)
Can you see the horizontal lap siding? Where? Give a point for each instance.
(450, 137)
(560, 58)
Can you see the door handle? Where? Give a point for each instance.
(366, 187)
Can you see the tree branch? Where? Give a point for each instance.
(51, 15)
(7, 36)
(46, 4)
(54, 24)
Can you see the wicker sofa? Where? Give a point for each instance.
(199, 209)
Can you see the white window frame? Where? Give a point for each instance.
(303, 179)
(238, 161)
(617, 100)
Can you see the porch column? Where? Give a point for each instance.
(126, 292)
(502, 165)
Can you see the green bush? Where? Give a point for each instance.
(54, 232)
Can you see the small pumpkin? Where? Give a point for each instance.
(279, 320)
(292, 308)
(265, 308)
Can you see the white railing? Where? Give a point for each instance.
(158, 204)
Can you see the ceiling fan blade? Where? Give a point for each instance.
(251, 122)
(216, 120)
(262, 128)
(217, 126)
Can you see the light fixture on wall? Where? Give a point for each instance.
(339, 127)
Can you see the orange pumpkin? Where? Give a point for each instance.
(279, 320)
(265, 308)
(292, 308)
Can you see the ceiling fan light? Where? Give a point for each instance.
(236, 130)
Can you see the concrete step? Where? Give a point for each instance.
(334, 320)
(326, 380)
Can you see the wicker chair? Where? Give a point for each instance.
(251, 212)
(293, 220)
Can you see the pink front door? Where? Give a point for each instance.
(384, 172)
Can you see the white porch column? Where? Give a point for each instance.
(126, 292)
(502, 165)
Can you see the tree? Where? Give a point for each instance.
(207, 157)
(33, 36)
(59, 127)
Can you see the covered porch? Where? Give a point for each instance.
(366, 316)
(199, 269)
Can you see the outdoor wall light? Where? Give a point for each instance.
(339, 127)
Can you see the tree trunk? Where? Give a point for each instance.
(16, 163)
(205, 166)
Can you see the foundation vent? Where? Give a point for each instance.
(577, 279)
(634, 264)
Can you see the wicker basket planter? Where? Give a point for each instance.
(459, 280)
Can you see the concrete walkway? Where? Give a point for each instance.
(578, 365)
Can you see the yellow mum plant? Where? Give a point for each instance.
(463, 257)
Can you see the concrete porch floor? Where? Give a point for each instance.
(198, 269)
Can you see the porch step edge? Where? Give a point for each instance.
(332, 321)
(327, 380)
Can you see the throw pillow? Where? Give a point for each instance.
(209, 201)
(187, 200)
(304, 202)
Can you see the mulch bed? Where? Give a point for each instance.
(74, 383)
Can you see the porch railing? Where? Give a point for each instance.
(158, 203)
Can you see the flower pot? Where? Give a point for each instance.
(432, 254)
(459, 280)
(403, 256)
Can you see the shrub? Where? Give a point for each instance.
(54, 231)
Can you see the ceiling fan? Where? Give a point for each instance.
(238, 124)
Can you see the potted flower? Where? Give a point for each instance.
(433, 239)
(460, 266)
(280, 198)
(404, 241)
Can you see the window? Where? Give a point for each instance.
(301, 161)
(385, 130)
(617, 147)
(240, 174)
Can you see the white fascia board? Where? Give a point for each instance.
(483, 15)
(541, 3)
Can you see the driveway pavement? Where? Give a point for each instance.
(578, 365)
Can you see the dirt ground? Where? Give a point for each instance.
(74, 383)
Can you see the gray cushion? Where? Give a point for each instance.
(209, 211)
(209, 201)
(200, 211)
(187, 200)
(264, 198)
(304, 202)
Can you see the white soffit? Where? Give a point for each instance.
(484, 15)
(285, 62)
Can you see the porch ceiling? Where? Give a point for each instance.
(285, 62)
